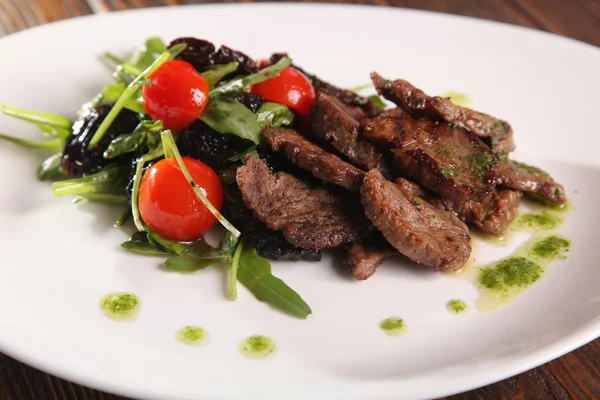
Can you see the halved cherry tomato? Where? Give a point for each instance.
(291, 88)
(177, 94)
(169, 206)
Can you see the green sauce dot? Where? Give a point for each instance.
(456, 306)
(192, 335)
(514, 271)
(393, 326)
(120, 305)
(257, 346)
(551, 247)
(541, 221)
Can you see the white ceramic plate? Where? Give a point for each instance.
(58, 259)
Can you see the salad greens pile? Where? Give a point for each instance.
(222, 113)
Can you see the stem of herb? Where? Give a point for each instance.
(123, 219)
(137, 178)
(34, 116)
(170, 147)
(233, 271)
(54, 145)
(127, 94)
(110, 56)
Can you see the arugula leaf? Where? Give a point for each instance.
(274, 114)
(54, 145)
(112, 180)
(51, 168)
(139, 243)
(200, 255)
(239, 84)
(376, 101)
(49, 124)
(130, 142)
(100, 197)
(218, 72)
(254, 272)
(226, 115)
(145, 55)
(171, 245)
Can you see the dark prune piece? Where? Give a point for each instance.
(78, 160)
(226, 55)
(272, 245)
(198, 52)
(250, 100)
(201, 142)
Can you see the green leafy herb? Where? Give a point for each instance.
(226, 115)
(254, 272)
(130, 142)
(170, 148)
(377, 101)
(360, 88)
(274, 114)
(139, 243)
(171, 245)
(110, 198)
(218, 72)
(54, 145)
(239, 84)
(233, 271)
(127, 94)
(200, 255)
(51, 168)
(112, 179)
(49, 124)
(153, 153)
(145, 55)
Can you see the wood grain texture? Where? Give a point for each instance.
(16, 15)
(573, 376)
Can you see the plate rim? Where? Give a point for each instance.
(540, 356)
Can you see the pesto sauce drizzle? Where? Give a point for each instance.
(456, 306)
(120, 306)
(501, 281)
(192, 335)
(393, 326)
(257, 346)
(458, 98)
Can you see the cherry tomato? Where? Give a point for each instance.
(177, 94)
(169, 206)
(291, 88)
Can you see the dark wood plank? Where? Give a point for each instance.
(16, 15)
(573, 376)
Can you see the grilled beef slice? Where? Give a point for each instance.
(312, 217)
(498, 133)
(306, 155)
(526, 178)
(331, 122)
(365, 255)
(423, 233)
(449, 161)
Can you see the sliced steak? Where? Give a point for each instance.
(312, 217)
(423, 233)
(451, 162)
(526, 178)
(417, 103)
(306, 155)
(492, 217)
(365, 255)
(447, 160)
(332, 122)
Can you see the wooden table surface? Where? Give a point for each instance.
(573, 376)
